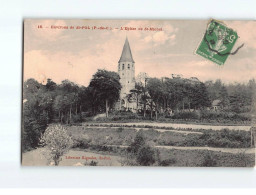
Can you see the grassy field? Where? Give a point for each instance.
(110, 145)
(199, 158)
(114, 141)
(177, 158)
(94, 135)
(202, 117)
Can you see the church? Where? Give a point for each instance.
(126, 71)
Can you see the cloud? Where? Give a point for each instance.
(162, 37)
(76, 55)
(157, 37)
(58, 66)
(246, 31)
(46, 32)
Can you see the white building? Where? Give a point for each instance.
(126, 71)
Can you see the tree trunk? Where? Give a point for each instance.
(137, 102)
(70, 114)
(76, 108)
(251, 138)
(156, 110)
(107, 108)
(144, 111)
(47, 117)
(56, 160)
(151, 110)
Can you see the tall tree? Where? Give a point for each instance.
(106, 87)
(155, 89)
(223, 97)
(200, 96)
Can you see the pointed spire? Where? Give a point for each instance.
(126, 53)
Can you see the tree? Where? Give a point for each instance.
(223, 97)
(155, 89)
(69, 92)
(200, 96)
(50, 85)
(105, 87)
(35, 120)
(136, 93)
(57, 142)
(142, 79)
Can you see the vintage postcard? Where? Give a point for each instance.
(139, 93)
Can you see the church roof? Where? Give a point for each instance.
(126, 53)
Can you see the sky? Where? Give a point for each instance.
(76, 54)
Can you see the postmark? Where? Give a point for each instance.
(218, 42)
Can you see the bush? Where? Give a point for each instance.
(209, 160)
(32, 130)
(223, 139)
(145, 156)
(167, 162)
(139, 141)
(57, 142)
(186, 115)
(119, 116)
(228, 116)
(76, 118)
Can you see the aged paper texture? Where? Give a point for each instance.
(139, 93)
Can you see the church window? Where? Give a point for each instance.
(128, 66)
(119, 67)
(128, 81)
(123, 67)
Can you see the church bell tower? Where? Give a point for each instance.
(126, 71)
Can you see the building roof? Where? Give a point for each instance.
(126, 53)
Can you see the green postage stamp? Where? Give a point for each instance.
(217, 43)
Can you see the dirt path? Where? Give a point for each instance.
(72, 158)
(146, 129)
(226, 150)
(183, 126)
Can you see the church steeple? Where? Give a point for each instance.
(126, 71)
(126, 53)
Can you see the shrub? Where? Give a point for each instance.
(222, 115)
(57, 142)
(146, 156)
(120, 129)
(93, 163)
(139, 141)
(167, 162)
(186, 115)
(76, 118)
(32, 129)
(224, 138)
(209, 160)
(140, 153)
